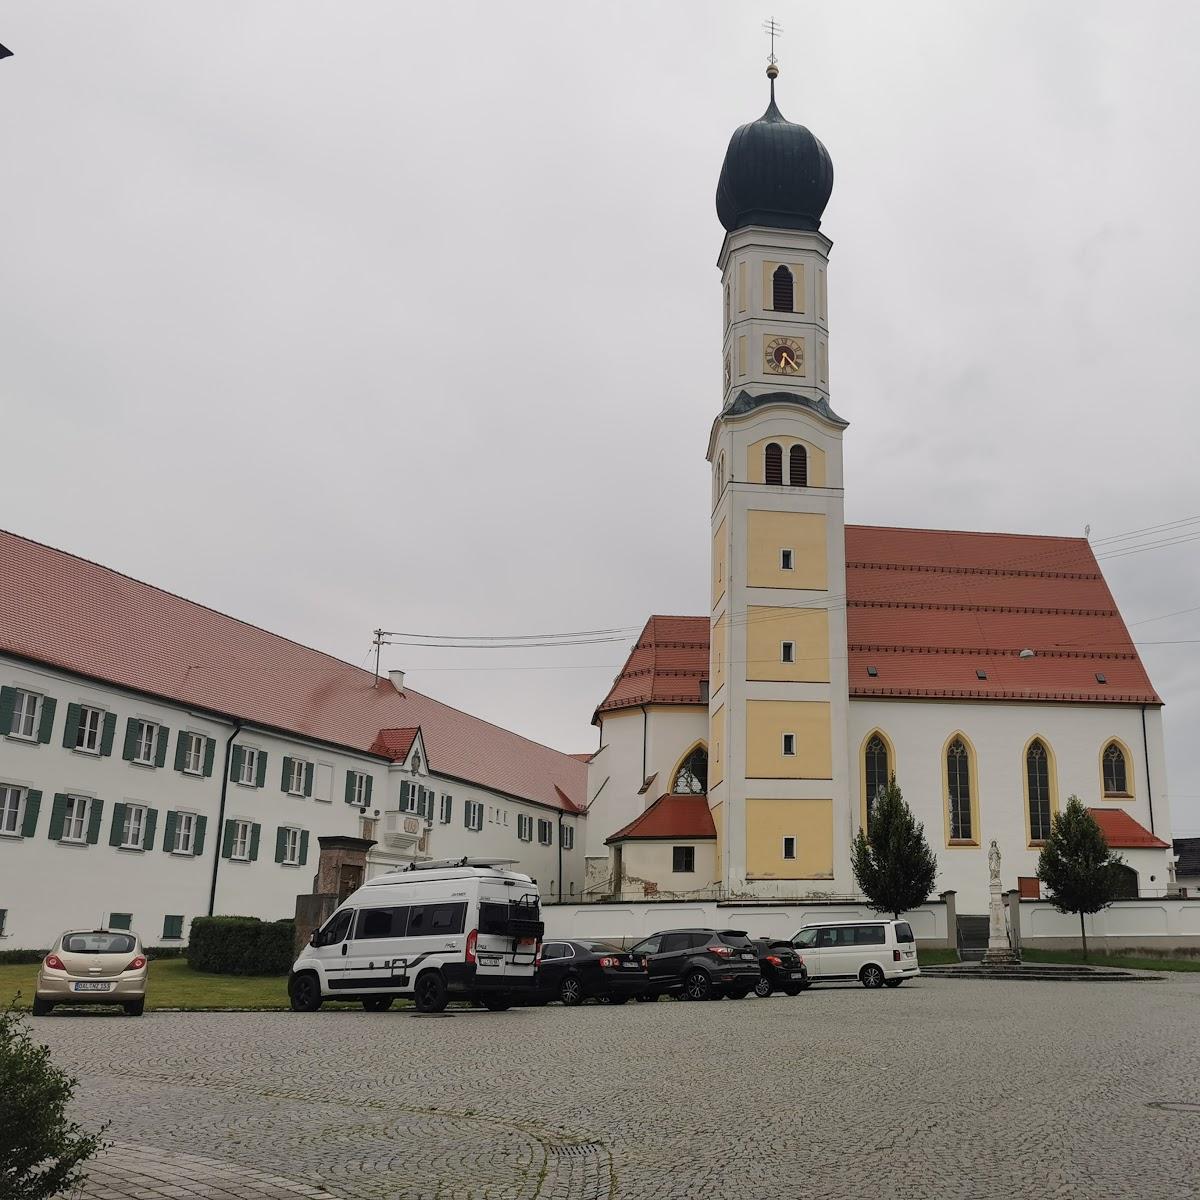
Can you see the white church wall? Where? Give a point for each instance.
(1154, 926)
(999, 733)
(651, 864)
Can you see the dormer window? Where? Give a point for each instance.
(782, 290)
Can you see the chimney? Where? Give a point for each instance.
(397, 678)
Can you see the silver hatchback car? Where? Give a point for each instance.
(93, 966)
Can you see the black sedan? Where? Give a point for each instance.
(574, 971)
(783, 970)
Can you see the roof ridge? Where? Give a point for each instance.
(1041, 537)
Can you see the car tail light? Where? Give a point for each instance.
(775, 960)
(895, 956)
(137, 964)
(54, 962)
(472, 939)
(721, 951)
(610, 962)
(537, 954)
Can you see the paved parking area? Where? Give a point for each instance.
(941, 1088)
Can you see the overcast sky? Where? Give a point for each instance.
(333, 316)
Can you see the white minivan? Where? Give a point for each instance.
(875, 952)
(431, 931)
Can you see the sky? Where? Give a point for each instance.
(336, 317)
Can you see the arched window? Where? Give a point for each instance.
(1116, 779)
(798, 466)
(958, 778)
(773, 460)
(692, 777)
(1037, 780)
(1125, 881)
(782, 290)
(876, 770)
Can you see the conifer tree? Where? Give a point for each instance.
(892, 861)
(1077, 865)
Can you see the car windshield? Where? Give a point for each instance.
(98, 943)
(806, 937)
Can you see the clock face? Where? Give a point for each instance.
(785, 356)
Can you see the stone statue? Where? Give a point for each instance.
(999, 951)
(994, 862)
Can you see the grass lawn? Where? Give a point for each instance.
(1105, 960)
(173, 984)
(935, 956)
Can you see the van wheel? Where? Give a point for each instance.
(893, 982)
(304, 991)
(570, 991)
(496, 1003)
(763, 988)
(697, 986)
(41, 1007)
(431, 995)
(872, 976)
(377, 1003)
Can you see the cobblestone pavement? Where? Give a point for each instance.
(942, 1088)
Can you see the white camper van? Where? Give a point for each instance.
(432, 931)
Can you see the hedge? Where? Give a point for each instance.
(241, 946)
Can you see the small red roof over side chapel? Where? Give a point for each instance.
(670, 817)
(1122, 832)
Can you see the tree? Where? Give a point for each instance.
(41, 1152)
(892, 861)
(1077, 865)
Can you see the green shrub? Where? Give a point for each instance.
(41, 1152)
(22, 957)
(241, 946)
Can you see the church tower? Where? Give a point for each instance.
(778, 696)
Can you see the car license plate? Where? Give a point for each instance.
(90, 986)
(797, 974)
(747, 955)
(631, 966)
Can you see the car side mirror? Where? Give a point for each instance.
(314, 938)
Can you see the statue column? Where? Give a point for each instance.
(999, 952)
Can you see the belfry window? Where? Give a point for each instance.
(958, 778)
(782, 290)
(875, 769)
(692, 777)
(798, 466)
(773, 463)
(1037, 778)
(1116, 779)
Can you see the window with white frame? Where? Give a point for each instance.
(147, 738)
(291, 847)
(27, 713)
(787, 652)
(789, 847)
(789, 745)
(525, 827)
(185, 833)
(446, 811)
(12, 802)
(133, 827)
(786, 560)
(359, 791)
(473, 815)
(89, 735)
(545, 832)
(249, 772)
(568, 837)
(241, 840)
(296, 777)
(75, 819)
(193, 754)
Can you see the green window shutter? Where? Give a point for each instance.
(172, 928)
(169, 831)
(367, 793)
(58, 814)
(308, 779)
(210, 749)
(255, 830)
(261, 777)
(286, 778)
(95, 812)
(110, 730)
(303, 847)
(449, 807)
(33, 803)
(349, 787)
(227, 841)
(49, 704)
(148, 833)
(132, 728)
(160, 751)
(198, 838)
(118, 824)
(467, 814)
(8, 706)
(405, 790)
(71, 728)
(235, 762)
(280, 839)
(181, 744)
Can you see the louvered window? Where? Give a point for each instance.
(798, 466)
(782, 290)
(1116, 782)
(1037, 776)
(773, 459)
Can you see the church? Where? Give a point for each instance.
(741, 748)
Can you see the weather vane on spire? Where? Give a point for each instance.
(774, 30)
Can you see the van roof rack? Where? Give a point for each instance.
(442, 863)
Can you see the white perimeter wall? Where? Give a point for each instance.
(1162, 925)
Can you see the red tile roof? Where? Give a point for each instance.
(670, 817)
(74, 614)
(394, 743)
(929, 609)
(1122, 832)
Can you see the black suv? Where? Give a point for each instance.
(699, 964)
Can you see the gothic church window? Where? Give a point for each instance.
(876, 770)
(1037, 778)
(773, 463)
(798, 466)
(1116, 780)
(958, 776)
(692, 777)
(782, 290)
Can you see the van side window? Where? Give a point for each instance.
(380, 923)
(806, 938)
(335, 928)
(904, 932)
(826, 937)
(429, 920)
(869, 935)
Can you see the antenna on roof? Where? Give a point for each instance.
(1087, 531)
(380, 640)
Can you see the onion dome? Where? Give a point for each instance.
(775, 174)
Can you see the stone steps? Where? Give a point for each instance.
(1043, 972)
